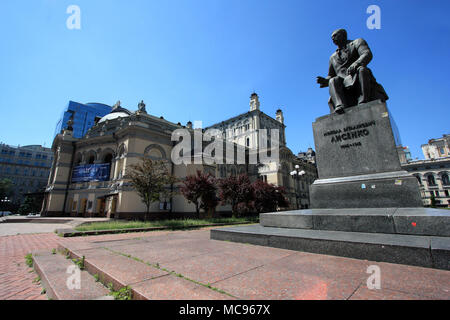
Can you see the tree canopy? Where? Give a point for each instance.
(151, 180)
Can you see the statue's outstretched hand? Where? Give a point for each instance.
(322, 81)
(352, 69)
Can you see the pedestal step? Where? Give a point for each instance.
(409, 221)
(423, 251)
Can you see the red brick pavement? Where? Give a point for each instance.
(16, 278)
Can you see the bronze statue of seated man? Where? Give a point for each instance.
(350, 81)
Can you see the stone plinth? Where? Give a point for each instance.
(357, 162)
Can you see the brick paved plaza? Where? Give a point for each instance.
(242, 271)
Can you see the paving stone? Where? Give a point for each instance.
(119, 270)
(175, 288)
(363, 293)
(425, 282)
(275, 283)
(53, 268)
(211, 268)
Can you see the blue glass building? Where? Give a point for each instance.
(84, 117)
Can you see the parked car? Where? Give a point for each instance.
(34, 214)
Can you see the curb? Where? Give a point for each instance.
(66, 233)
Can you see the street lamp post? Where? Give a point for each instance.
(296, 175)
(4, 204)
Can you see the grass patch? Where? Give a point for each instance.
(29, 260)
(123, 293)
(79, 262)
(171, 224)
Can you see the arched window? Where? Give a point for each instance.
(431, 180)
(445, 179)
(419, 180)
(155, 151)
(108, 158)
(91, 159)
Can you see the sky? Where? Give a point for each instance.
(200, 60)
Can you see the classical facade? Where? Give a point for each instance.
(437, 148)
(432, 173)
(121, 138)
(246, 129)
(433, 179)
(28, 167)
(308, 156)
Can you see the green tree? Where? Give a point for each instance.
(151, 180)
(6, 188)
(433, 200)
(30, 205)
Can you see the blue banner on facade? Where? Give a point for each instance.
(91, 172)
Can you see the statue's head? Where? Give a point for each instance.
(339, 37)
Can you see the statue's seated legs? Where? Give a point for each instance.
(348, 92)
(364, 79)
(337, 93)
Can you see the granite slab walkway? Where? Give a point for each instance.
(190, 263)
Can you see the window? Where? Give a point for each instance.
(419, 180)
(108, 158)
(445, 179)
(431, 180)
(446, 193)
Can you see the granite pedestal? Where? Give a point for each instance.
(358, 163)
